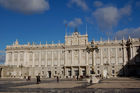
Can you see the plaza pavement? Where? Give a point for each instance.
(21, 85)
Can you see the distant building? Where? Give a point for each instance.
(71, 58)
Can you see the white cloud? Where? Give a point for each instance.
(126, 10)
(74, 23)
(97, 4)
(108, 17)
(26, 6)
(133, 32)
(79, 3)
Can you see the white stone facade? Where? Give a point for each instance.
(71, 58)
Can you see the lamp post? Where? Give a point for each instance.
(91, 49)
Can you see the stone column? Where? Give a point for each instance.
(24, 59)
(80, 62)
(94, 60)
(6, 60)
(13, 60)
(101, 58)
(116, 61)
(72, 71)
(52, 59)
(66, 58)
(66, 71)
(124, 60)
(18, 59)
(27, 58)
(124, 55)
(58, 62)
(132, 53)
(80, 72)
(33, 55)
(86, 58)
(109, 56)
(87, 70)
(72, 58)
(40, 61)
(46, 59)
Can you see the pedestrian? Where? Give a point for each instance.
(38, 79)
(77, 77)
(57, 79)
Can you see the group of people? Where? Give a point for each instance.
(38, 79)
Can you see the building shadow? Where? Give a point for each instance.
(132, 66)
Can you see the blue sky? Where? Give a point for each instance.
(44, 20)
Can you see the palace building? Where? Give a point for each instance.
(69, 59)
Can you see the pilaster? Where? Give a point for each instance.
(109, 56)
(116, 61)
(71, 58)
(27, 59)
(87, 58)
(46, 59)
(80, 71)
(15, 63)
(80, 62)
(124, 55)
(101, 58)
(18, 59)
(58, 62)
(94, 63)
(40, 61)
(72, 71)
(24, 58)
(6, 60)
(52, 59)
(33, 64)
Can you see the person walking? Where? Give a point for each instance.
(38, 79)
(57, 79)
(77, 77)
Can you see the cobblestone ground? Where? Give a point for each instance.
(116, 85)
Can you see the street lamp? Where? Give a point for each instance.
(91, 49)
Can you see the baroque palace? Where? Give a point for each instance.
(115, 57)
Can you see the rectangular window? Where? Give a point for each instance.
(55, 58)
(90, 58)
(120, 60)
(120, 49)
(105, 52)
(15, 56)
(9, 57)
(36, 56)
(98, 72)
(113, 71)
(43, 54)
(112, 60)
(49, 58)
(22, 56)
(55, 72)
(112, 52)
(120, 52)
